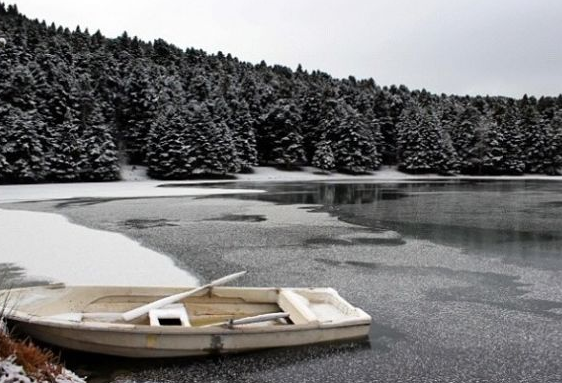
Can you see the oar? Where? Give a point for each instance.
(142, 310)
(252, 319)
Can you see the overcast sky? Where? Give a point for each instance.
(508, 47)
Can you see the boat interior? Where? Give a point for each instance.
(213, 307)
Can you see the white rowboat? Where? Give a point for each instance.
(212, 321)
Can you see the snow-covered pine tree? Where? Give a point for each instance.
(186, 141)
(169, 154)
(324, 156)
(467, 136)
(214, 148)
(534, 131)
(423, 145)
(388, 106)
(553, 152)
(279, 139)
(354, 146)
(101, 156)
(509, 127)
(22, 86)
(65, 152)
(137, 109)
(23, 147)
(57, 101)
(492, 151)
(5, 167)
(313, 106)
(288, 152)
(242, 125)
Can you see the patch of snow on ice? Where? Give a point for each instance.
(40, 192)
(49, 246)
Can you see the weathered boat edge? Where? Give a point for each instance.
(190, 346)
(133, 341)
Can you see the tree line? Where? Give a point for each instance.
(75, 105)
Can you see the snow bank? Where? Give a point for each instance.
(11, 372)
(134, 173)
(48, 246)
(384, 174)
(309, 173)
(125, 189)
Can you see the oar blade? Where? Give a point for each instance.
(228, 278)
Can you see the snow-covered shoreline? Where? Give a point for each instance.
(136, 184)
(118, 189)
(49, 247)
(384, 174)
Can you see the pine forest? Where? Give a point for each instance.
(74, 106)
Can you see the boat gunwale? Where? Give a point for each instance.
(16, 316)
(361, 317)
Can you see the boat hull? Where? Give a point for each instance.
(57, 314)
(154, 345)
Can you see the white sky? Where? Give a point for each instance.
(508, 47)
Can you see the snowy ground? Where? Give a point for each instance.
(122, 189)
(385, 173)
(309, 173)
(49, 247)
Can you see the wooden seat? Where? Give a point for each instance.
(297, 306)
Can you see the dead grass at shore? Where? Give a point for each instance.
(39, 364)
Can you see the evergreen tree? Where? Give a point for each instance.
(136, 111)
(169, 155)
(552, 155)
(535, 135)
(65, 157)
(186, 141)
(493, 150)
(324, 156)
(467, 136)
(354, 146)
(102, 156)
(423, 146)
(279, 139)
(23, 149)
(241, 125)
(513, 143)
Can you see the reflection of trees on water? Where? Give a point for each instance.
(518, 220)
(493, 242)
(330, 194)
(506, 219)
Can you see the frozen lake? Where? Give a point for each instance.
(463, 279)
